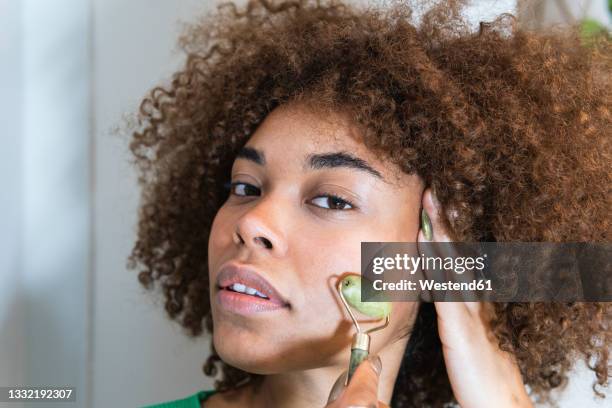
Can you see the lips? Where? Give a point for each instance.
(233, 273)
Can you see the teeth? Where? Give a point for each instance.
(239, 287)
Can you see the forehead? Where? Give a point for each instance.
(294, 124)
(292, 132)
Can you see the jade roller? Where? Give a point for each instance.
(349, 289)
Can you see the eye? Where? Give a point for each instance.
(333, 202)
(242, 189)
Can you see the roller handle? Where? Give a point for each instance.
(357, 356)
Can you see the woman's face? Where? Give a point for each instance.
(283, 221)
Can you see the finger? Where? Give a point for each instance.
(426, 247)
(449, 249)
(434, 211)
(437, 246)
(363, 387)
(457, 317)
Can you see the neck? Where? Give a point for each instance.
(310, 388)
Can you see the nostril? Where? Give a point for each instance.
(237, 238)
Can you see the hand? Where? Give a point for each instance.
(480, 373)
(362, 390)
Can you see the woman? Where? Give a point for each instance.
(299, 129)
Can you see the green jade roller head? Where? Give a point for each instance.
(349, 289)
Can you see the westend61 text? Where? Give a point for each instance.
(430, 284)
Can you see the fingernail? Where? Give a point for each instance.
(338, 387)
(376, 363)
(426, 225)
(434, 198)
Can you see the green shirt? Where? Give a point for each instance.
(192, 401)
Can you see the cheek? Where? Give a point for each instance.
(326, 262)
(320, 269)
(323, 257)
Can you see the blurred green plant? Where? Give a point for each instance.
(592, 30)
(591, 27)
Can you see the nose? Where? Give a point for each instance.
(258, 228)
(258, 240)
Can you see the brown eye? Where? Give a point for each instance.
(243, 189)
(332, 202)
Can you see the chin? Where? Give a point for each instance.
(247, 358)
(245, 351)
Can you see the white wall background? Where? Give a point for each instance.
(70, 312)
(139, 357)
(12, 315)
(45, 202)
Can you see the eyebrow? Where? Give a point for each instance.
(252, 154)
(316, 161)
(341, 159)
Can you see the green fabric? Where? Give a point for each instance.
(192, 401)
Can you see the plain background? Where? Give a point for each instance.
(70, 311)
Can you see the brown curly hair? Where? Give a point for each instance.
(508, 126)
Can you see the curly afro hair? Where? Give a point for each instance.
(508, 126)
